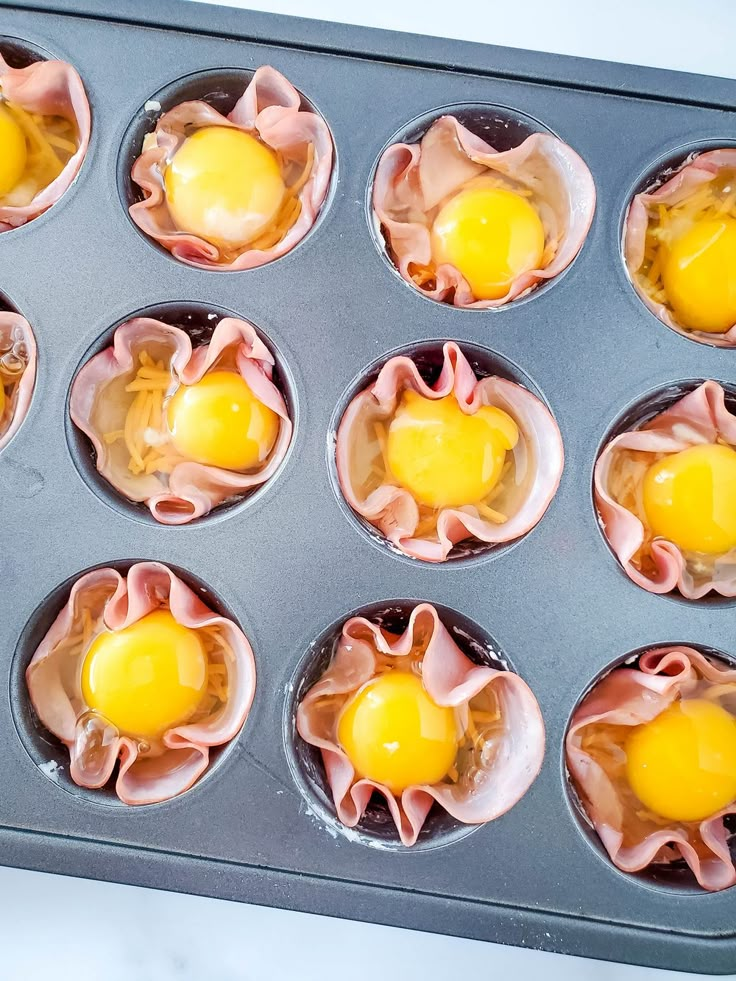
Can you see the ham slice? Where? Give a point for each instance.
(270, 108)
(191, 489)
(16, 337)
(451, 679)
(699, 170)
(698, 418)
(50, 88)
(393, 510)
(630, 697)
(412, 181)
(94, 746)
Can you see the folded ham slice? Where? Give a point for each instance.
(629, 697)
(700, 417)
(94, 747)
(450, 679)
(18, 343)
(270, 107)
(50, 88)
(697, 171)
(413, 180)
(191, 489)
(393, 510)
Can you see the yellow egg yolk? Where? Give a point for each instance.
(223, 185)
(146, 678)
(446, 457)
(682, 765)
(220, 423)
(13, 151)
(394, 733)
(690, 498)
(490, 235)
(699, 275)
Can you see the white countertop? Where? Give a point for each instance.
(59, 929)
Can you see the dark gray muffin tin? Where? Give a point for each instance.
(289, 564)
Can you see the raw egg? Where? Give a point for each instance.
(420, 441)
(699, 275)
(224, 185)
(680, 248)
(146, 678)
(163, 412)
(651, 750)
(406, 722)
(670, 515)
(395, 734)
(219, 422)
(239, 190)
(690, 498)
(14, 156)
(492, 235)
(682, 765)
(474, 226)
(446, 457)
(139, 679)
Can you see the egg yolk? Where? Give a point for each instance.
(682, 764)
(690, 498)
(220, 423)
(223, 185)
(394, 733)
(699, 275)
(443, 456)
(147, 677)
(14, 152)
(490, 235)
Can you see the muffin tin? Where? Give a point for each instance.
(289, 565)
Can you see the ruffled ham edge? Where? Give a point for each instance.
(194, 485)
(51, 88)
(699, 417)
(13, 322)
(394, 511)
(270, 105)
(147, 587)
(697, 171)
(451, 679)
(631, 697)
(417, 177)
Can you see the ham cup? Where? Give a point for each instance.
(182, 429)
(431, 465)
(651, 751)
(236, 191)
(666, 497)
(17, 373)
(680, 248)
(45, 126)
(137, 671)
(474, 227)
(411, 719)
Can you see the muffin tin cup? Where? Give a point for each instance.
(292, 564)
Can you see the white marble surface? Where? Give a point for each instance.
(57, 929)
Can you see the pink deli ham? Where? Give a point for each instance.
(451, 679)
(630, 697)
(191, 489)
(393, 510)
(93, 746)
(269, 108)
(700, 170)
(50, 88)
(17, 351)
(698, 418)
(413, 180)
